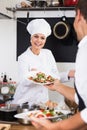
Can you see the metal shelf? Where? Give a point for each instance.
(40, 8)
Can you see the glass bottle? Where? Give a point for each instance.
(12, 86)
(5, 78)
(1, 80)
(5, 87)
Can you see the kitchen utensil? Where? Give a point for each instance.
(61, 29)
(21, 109)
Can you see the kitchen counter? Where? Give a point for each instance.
(15, 125)
(10, 126)
(22, 127)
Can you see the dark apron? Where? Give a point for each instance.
(81, 102)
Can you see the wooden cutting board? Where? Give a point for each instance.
(5, 126)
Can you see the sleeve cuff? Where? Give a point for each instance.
(84, 115)
(64, 76)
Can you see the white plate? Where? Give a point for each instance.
(33, 74)
(25, 114)
(47, 83)
(65, 112)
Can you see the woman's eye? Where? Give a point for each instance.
(42, 38)
(36, 36)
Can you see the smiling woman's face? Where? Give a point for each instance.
(37, 41)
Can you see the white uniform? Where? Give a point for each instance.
(81, 74)
(44, 62)
(27, 91)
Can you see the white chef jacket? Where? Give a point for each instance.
(81, 74)
(27, 91)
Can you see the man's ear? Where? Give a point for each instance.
(79, 16)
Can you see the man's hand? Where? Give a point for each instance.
(41, 124)
(54, 85)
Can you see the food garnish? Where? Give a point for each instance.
(42, 78)
(45, 114)
(51, 104)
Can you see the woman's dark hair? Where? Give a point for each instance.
(82, 6)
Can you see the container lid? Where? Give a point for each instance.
(6, 109)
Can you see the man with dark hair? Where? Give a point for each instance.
(79, 94)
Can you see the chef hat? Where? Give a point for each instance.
(39, 26)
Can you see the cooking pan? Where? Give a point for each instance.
(61, 29)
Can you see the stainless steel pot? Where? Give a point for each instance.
(21, 109)
(61, 29)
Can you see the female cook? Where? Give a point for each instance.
(35, 58)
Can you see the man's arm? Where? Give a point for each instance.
(63, 89)
(73, 123)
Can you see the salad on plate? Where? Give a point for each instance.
(41, 78)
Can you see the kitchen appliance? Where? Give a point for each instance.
(7, 113)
